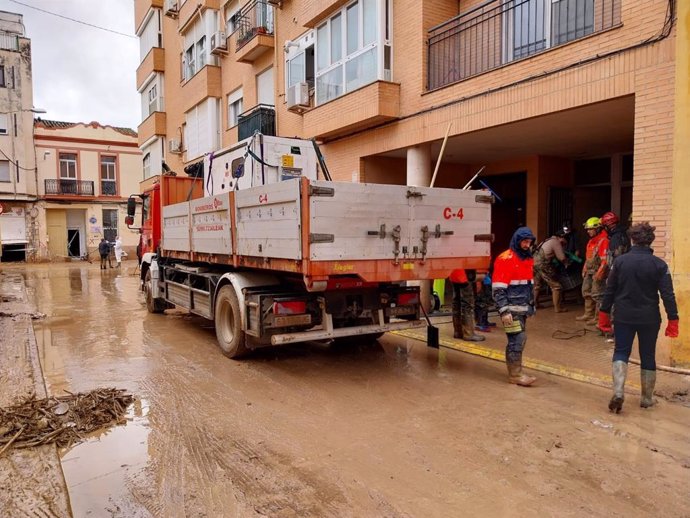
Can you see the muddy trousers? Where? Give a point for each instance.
(463, 310)
(516, 342)
(545, 273)
(592, 292)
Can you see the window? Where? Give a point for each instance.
(150, 33)
(146, 163)
(110, 224)
(108, 178)
(3, 124)
(196, 56)
(234, 107)
(68, 166)
(201, 130)
(264, 88)
(352, 50)
(5, 171)
(3, 83)
(151, 100)
(231, 21)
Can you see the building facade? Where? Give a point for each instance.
(569, 106)
(18, 231)
(86, 172)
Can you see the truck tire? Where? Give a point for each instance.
(228, 320)
(153, 305)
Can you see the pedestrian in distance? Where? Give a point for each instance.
(595, 270)
(463, 305)
(119, 252)
(104, 252)
(549, 253)
(512, 291)
(633, 287)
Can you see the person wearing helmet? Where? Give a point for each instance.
(548, 251)
(619, 242)
(595, 270)
(635, 283)
(511, 288)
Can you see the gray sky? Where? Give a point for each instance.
(80, 73)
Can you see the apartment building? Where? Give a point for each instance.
(567, 105)
(85, 172)
(18, 230)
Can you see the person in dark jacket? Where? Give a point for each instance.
(104, 252)
(634, 284)
(512, 290)
(619, 242)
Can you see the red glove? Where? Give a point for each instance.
(672, 329)
(605, 322)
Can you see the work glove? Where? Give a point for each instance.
(507, 319)
(604, 324)
(672, 329)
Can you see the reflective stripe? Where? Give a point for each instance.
(495, 285)
(516, 308)
(520, 282)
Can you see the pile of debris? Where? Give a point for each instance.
(64, 420)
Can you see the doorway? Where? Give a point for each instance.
(509, 211)
(73, 242)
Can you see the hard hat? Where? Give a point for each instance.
(592, 222)
(609, 219)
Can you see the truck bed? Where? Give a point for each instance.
(321, 229)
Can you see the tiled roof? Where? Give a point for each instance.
(48, 124)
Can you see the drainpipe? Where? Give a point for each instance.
(680, 261)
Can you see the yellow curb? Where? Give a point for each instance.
(550, 368)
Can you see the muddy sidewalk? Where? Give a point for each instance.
(31, 480)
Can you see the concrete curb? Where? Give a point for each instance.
(563, 371)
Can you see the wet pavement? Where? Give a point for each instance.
(394, 429)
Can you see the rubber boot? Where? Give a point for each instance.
(648, 379)
(516, 376)
(457, 326)
(594, 318)
(468, 334)
(589, 310)
(557, 304)
(620, 370)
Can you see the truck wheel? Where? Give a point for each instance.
(153, 305)
(228, 320)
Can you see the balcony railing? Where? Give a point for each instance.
(254, 18)
(69, 187)
(108, 188)
(502, 31)
(261, 118)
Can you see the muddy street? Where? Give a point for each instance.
(391, 429)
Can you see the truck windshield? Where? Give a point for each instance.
(146, 207)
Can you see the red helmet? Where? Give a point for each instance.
(609, 219)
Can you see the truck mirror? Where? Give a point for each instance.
(131, 207)
(129, 220)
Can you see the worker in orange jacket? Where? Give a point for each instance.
(595, 270)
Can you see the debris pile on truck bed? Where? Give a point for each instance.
(64, 420)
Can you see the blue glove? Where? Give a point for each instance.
(487, 280)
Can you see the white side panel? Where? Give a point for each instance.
(452, 210)
(268, 220)
(211, 225)
(353, 211)
(176, 227)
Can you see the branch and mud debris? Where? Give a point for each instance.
(63, 420)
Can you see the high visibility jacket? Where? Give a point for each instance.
(597, 253)
(512, 283)
(458, 276)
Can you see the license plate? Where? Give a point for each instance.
(400, 310)
(291, 320)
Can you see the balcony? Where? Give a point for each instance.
(261, 118)
(497, 33)
(141, 8)
(189, 10)
(370, 105)
(108, 188)
(153, 62)
(203, 84)
(154, 125)
(317, 10)
(253, 31)
(60, 187)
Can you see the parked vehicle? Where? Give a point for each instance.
(257, 243)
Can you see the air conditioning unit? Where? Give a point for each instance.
(170, 8)
(174, 146)
(276, 3)
(219, 43)
(298, 97)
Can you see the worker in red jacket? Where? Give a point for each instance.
(463, 305)
(512, 290)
